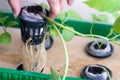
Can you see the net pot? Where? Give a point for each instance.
(96, 72)
(99, 48)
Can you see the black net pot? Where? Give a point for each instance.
(33, 29)
(99, 48)
(33, 25)
(48, 42)
(96, 72)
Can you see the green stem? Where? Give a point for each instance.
(116, 42)
(115, 37)
(66, 53)
(110, 33)
(78, 33)
(91, 29)
(108, 74)
(96, 36)
(99, 45)
(64, 20)
(4, 28)
(91, 32)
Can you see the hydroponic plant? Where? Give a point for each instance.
(66, 32)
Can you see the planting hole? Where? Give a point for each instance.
(95, 70)
(100, 45)
(34, 9)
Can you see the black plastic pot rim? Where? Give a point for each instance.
(99, 53)
(50, 44)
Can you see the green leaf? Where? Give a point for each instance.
(102, 17)
(62, 16)
(67, 35)
(104, 5)
(3, 19)
(94, 17)
(116, 26)
(53, 33)
(74, 15)
(69, 14)
(5, 38)
(11, 23)
(55, 75)
(116, 15)
(45, 6)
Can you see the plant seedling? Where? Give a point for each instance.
(5, 37)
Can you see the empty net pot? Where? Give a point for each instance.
(96, 72)
(99, 48)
